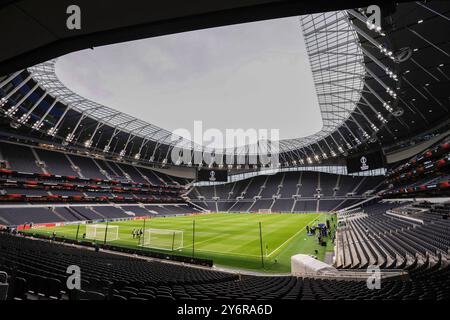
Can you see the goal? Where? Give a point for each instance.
(162, 239)
(98, 232)
(264, 210)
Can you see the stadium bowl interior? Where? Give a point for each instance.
(84, 184)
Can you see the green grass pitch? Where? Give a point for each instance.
(229, 239)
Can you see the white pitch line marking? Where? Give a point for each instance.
(293, 235)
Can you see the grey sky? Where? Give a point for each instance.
(253, 75)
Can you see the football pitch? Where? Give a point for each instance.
(231, 240)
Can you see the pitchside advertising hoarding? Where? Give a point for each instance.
(212, 175)
(365, 162)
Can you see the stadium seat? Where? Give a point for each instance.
(3, 285)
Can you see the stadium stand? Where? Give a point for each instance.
(426, 174)
(392, 235)
(37, 270)
(55, 163)
(19, 158)
(88, 167)
(54, 178)
(304, 191)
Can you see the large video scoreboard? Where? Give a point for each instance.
(365, 162)
(212, 175)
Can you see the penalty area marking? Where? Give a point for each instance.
(294, 235)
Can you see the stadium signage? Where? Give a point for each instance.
(364, 165)
(40, 225)
(365, 162)
(212, 175)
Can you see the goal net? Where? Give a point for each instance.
(99, 231)
(162, 239)
(264, 210)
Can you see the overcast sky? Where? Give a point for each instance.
(253, 75)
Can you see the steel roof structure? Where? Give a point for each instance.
(321, 32)
(45, 75)
(36, 31)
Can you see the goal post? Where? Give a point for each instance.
(100, 231)
(162, 239)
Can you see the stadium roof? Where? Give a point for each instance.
(36, 31)
(335, 106)
(323, 68)
(247, 76)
